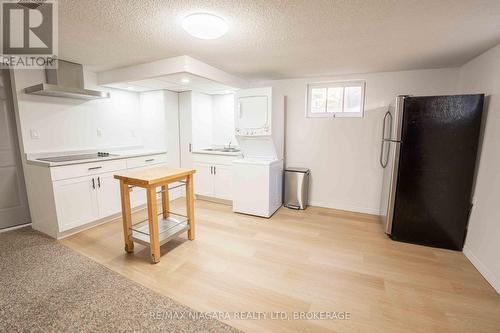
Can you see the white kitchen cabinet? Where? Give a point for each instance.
(146, 161)
(213, 180)
(223, 181)
(86, 199)
(76, 195)
(137, 196)
(76, 202)
(86, 169)
(108, 195)
(203, 179)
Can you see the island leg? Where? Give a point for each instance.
(190, 206)
(126, 217)
(165, 201)
(154, 242)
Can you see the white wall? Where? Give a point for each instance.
(171, 101)
(223, 120)
(482, 246)
(70, 124)
(153, 118)
(159, 117)
(201, 114)
(212, 120)
(343, 153)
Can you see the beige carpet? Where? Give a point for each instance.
(46, 287)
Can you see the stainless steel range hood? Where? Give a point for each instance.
(65, 81)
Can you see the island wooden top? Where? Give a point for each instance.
(153, 176)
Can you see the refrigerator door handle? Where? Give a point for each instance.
(382, 163)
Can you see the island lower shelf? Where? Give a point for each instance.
(167, 229)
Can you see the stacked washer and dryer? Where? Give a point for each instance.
(260, 131)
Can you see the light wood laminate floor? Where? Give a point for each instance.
(314, 260)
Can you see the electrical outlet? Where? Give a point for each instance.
(99, 133)
(34, 134)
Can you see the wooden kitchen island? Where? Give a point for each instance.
(154, 232)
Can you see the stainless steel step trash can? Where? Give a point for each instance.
(296, 187)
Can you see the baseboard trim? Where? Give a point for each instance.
(15, 227)
(216, 200)
(488, 275)
(350, 208)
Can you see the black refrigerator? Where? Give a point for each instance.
(428, 152)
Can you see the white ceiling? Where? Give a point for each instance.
(175, 82)
(271, 39)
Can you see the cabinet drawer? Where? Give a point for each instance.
(142, 161)
(86, 169)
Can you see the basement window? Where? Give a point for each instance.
(336, 99)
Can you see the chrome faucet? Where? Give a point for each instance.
(229, 146)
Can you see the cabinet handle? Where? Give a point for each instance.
(190, 147)
(95, 168)
(93, 183)
(211, 170)
(150, 160)
(215, 170)
(99, 182)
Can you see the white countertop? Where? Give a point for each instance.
(212, 152)
(120, 154)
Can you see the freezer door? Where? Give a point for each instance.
(436, 169)
(389, 160)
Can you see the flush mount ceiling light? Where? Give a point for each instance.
(205, 26)
(185, 80)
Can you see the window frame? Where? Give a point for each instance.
(336, 84)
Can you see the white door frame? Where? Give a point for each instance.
(14, 208)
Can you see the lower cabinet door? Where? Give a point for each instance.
(76, 202)
(137, 196)
(223, 182)
(108, 195)
(203, 179)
